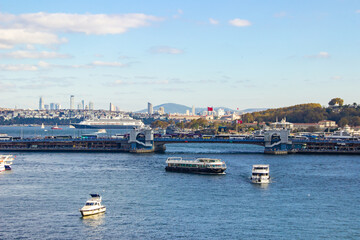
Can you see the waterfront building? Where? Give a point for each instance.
(150, 109)
(91, 106)
(283, 124)
(41, 104)
(72, 102)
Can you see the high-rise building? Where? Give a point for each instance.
(52, 106)
(79, 106)
(112, 107)
(193, 110)
(82, 104)
(41, 104)
(72, 102)
(150, 109)
(161, 110)
(91, 106)
(46, 106)
(187, 112)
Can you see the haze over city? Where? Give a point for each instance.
(238, 54)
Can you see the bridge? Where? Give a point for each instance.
(143, 141)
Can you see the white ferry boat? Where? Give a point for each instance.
(260, 174)
(93, 206)
(123, 122)
(199, 165)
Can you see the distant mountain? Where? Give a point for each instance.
(178, 108)
(170, 108)
(251, 110)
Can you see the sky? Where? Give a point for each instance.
(237, 54)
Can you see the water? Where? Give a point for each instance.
(311, 196)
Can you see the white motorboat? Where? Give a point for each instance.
(7, 161)
(260, 174)
(93, 206)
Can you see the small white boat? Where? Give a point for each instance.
(260, 174)
(42, 125)
(93, 206)
(2, 165)
(7, 161)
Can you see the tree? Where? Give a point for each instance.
(338, 101)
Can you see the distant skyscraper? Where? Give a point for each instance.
(79, 106)
(112, 107)
(72, 102)
(52, 106)
(91, 106)
(193, 110)
(41, 104)
(150, 109)
(187, 112)
(161, 110)
(82, 104)
(46, 106)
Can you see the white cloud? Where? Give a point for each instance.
(80, 23)
(148, 82)
(20, 54)
(240, 22)
(11, 37)
(18, 67)
(357, 11)
(337, 78)
(167, 50)
(40, 28)
(179, 13)
(319, 55)
(280, 14)
(213, 21)
(108, 64)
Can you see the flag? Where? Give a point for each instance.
(210, 109)
(239, 121)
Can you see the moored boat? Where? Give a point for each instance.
(199, 165)
(260, 173)
(93, 206)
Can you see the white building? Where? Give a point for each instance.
(72, 102)
(150, 109)
(193, 110)
(221, 112)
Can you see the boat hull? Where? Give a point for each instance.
(260, 181)
(92, 211)
(196, 170)
(80, 126)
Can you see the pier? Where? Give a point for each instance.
(276, 142)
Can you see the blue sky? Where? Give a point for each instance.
(238, 54)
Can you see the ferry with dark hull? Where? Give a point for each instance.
(123, 122)
(199, 165)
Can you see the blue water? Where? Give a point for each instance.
(311, 196)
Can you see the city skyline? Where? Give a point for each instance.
(237, 54)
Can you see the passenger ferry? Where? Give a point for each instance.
(199, 165)
(122, 122)
(260, 174)
(93, 206)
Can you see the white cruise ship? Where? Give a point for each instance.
(124, 122)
